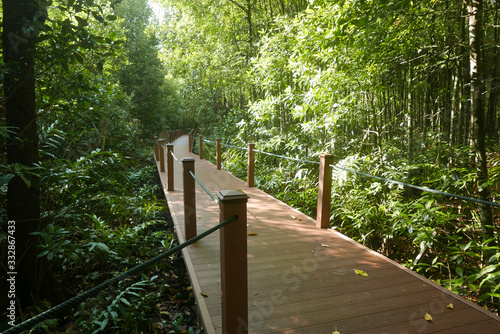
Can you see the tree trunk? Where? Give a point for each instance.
(493, 96)
(478, 117)
(23, 196)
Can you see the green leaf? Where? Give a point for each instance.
(113, 35)
(81, 21)
(5, 179)
(79, 58)
(124, 301)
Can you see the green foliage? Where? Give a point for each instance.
(155, 101)
(100, 214)
(105, 218)
(131, 309)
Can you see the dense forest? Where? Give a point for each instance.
(405, 90)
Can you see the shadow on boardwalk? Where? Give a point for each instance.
(302, 279)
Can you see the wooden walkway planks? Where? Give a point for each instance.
(296, 285)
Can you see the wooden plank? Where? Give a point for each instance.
(298, 286)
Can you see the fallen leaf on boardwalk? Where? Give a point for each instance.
(450, 306)
(293, 217)
(203, 294)
(325, 245)
(427, 317)
(336, 331)
(360, 272)
(251, 234)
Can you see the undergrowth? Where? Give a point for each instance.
(103, 215)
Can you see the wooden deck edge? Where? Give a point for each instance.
(206, 319)
(420, 277)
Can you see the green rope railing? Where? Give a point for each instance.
(203, 186)
(434, 191)
(288, 158)
(175, 158)
(75, 301)
(471, 199)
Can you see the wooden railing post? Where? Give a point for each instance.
(324, 191)
(189, 199)
(200, 140)
(170, 167)
(233, 253)
(251, 165)
(191, 135)
(161, 148)
(218, 153)
(157, 156)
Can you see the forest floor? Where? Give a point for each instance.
(179, 309)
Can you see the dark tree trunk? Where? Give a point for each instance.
(478, 117)
(493, 96)
(23, 196)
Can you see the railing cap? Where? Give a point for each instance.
(187, 159)
(232, 195)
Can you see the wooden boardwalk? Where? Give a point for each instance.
(301, 279)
